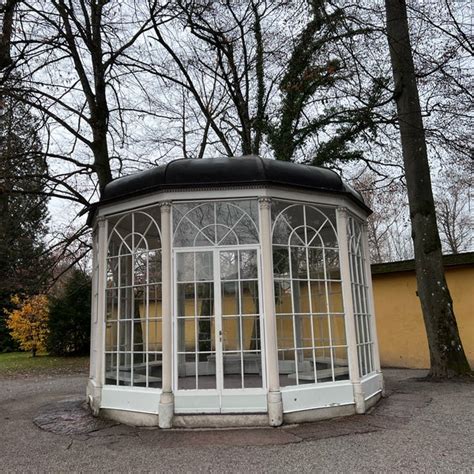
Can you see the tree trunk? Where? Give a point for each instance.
(446, 352)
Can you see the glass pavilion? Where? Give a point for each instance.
(231, 291)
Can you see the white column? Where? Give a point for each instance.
(275, 405)
(370, 297)
(166, 408)
(342, 233)
(98, 316)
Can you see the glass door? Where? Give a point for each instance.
(218, 360)
(240, 319)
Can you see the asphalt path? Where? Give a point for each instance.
(419, 427)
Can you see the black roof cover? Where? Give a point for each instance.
(218, 172)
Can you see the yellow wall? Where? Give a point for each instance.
(400, 327)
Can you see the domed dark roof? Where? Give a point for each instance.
(225, 172)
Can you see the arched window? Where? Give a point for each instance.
(221, 223)
(360, 297)
(308, 297)
(133, 346)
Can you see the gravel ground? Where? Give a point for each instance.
(419, 427)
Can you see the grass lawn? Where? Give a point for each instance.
(22, 363)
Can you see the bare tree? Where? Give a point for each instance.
(447, 355)
(453, 210)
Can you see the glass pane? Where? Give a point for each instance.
(246, 231)
(185, 299)
(206, 371)
(154, 335)
(154, 266)
(299, 268)
(111, 369)
(231, 334)
(139, 302)
(185, 266)
(202, 215)
(112, 272)
(205, 299)
(251, 333)
(283, 297)
(323, 365)
(227, 213)
(154, 370)
(328, 235)
(229, 265)
(125, 335)
(125, 369)
(230, 297)
(248, 264)
(187, 335)
(205, 237)
(249, 297)
(120, 225)
(154, 301)
(281, 232)
(111, 336)
(281, 262)
(341, 365)
(111, 304)
(125, 270)
(206, 335)
(298, 236)
(126, 303)
(184, 234)
(321, 331)
(186, 371)
(305, 366)
(303, 331)
(140, 267)
(252, 362)
(294, 215)
(335, 297)
(300, 296)
(204, 270)
(232, 362)
(226, 236)
(333, 271)
(139, 369)
(287, 368)
(139, 336)
(338, 330)
(316, 263)
(318, 297)
(145, 224)
(285, 332)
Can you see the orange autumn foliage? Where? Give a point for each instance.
(28, 324)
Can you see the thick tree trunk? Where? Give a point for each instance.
(7, 10)
(446, 352)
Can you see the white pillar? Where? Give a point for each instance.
(166, 407)
(370, 297)
(275, 405)
(342, 234)
(98, 314)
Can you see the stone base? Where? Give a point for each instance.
(318, 414)
(131, 418)
(220, 421)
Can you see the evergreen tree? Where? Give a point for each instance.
(69, 317)
(23, 209)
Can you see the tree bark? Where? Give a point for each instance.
(447, 355)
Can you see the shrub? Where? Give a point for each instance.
(28, 323)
